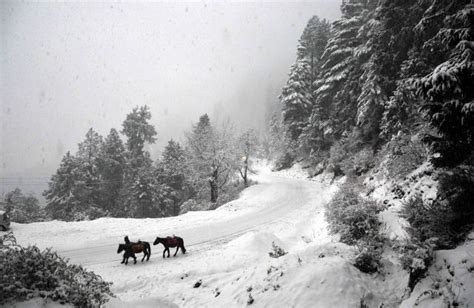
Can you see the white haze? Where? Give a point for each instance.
(66, 67)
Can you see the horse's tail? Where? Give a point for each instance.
(148, 248)
(182, 246)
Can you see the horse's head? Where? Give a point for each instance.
(157, 240)
(121, 248)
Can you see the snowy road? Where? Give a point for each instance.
(288, 208)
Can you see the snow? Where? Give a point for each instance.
(450, 279)
(227, 262)
(418, 183)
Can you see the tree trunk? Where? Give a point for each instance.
(214, 187)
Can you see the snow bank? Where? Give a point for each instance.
(252, 245)
(395, 193)
(450, 280)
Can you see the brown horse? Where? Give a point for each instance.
(171, 241)
(132, 248)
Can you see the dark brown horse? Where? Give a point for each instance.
(171, 241)
(132, 248)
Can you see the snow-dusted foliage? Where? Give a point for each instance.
(297, 98)
(447, 90)
(21, 208)
(112, 169)
(337, 85)
(28, 272)
(213, 158)
(352, 216)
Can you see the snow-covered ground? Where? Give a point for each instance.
(227, 263)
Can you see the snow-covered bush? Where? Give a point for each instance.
(403, 154)
(415, 258)
(277, 251)
(350, 156)
(351, 215)
(28, 272)
(449, 217)
(285, 161)
(23, 208)
(368, 259)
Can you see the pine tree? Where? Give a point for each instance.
(297, 98)
(112, 169)
(391, 42)
(447, 90)
(139, 184)
(88, 176)
(313, 42)
(172, 173)
(138, 131)
(212, 157)
(337, 86)
(62, 201)
(297, 95)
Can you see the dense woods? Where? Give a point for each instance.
(387, 86)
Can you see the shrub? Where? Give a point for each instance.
(415, 258)
(355, 219)
(403, 154)
(29, 272)
(277, 251)
(352, 216)
(285, 161)
(368, 259)
(449, 217)
(343, 160)
(23, 208)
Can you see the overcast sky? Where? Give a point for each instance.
(66, 67)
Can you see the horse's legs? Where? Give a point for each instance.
(134, 259)
(168, 251)
(144, 255)
(164, 252)
(177, 248)
(123, 260)
(183, 250)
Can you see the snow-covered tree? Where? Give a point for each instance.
(296, 98)
(137, 130)
(247, 144)
(139, 183)
(172, 174)
(62, 199)
(447, 90)
(88, 176)
(112, 169)
(21, 208)
(313, 42)
(297, 95)
(212, 157)
(337, 86)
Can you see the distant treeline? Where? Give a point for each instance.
(109, 177)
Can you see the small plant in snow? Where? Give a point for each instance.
(277, 251)
(368, 259)
(250, 300)
(416, 257)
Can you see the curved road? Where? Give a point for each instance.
(274, 199)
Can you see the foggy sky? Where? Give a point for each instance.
(67, 67)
